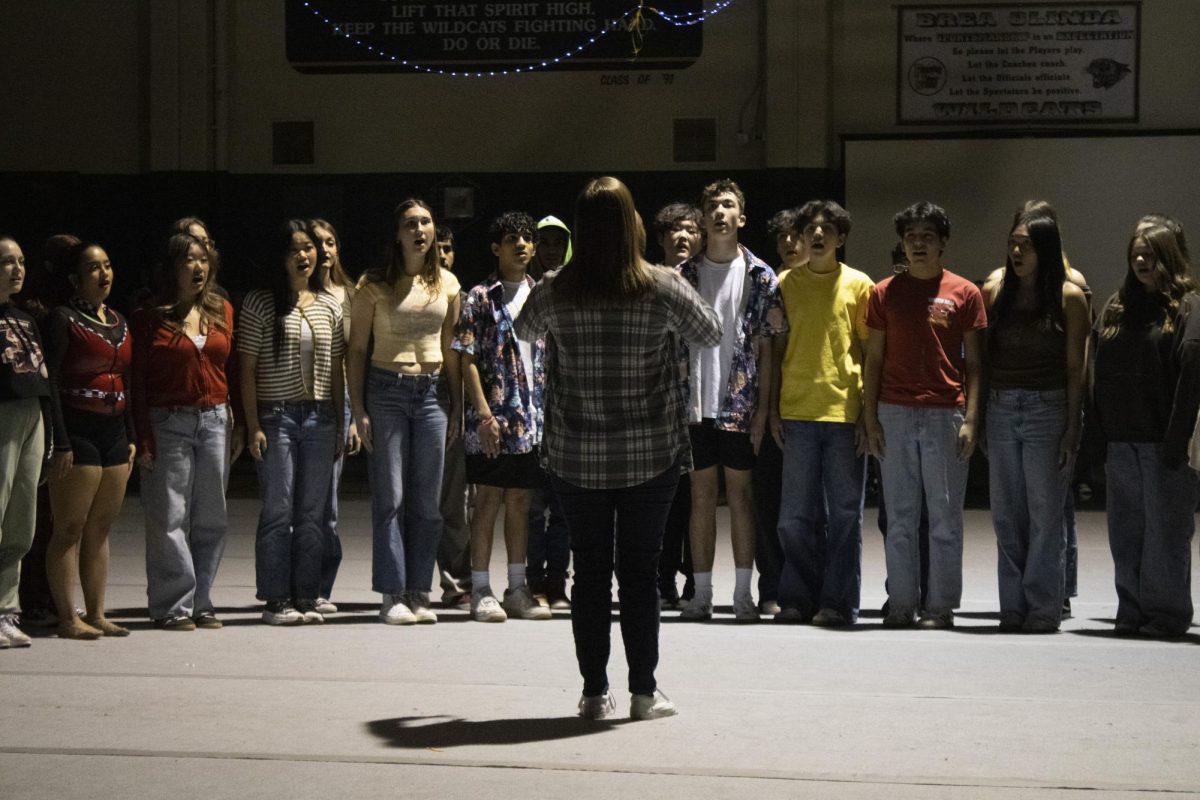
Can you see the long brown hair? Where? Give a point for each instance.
(211, 304)
(609, 240)
(431, 273)
(1133, 304)
(337, 275)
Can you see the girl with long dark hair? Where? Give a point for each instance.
(1037, 330)
(89, 353)
(290, 345)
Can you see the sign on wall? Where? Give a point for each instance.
(431, 35)
(1018, 63)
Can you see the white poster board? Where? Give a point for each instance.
(1017, 63)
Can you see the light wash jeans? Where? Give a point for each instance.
(22, 445)
(921, 451)
(820, 518)
(1151, 519)
(1028, 493)
(408, 429)
(294, 480)
(183, 500)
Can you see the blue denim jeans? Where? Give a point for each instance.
(408, 430)
(549, 543)
(1151, 519)
(294, 479)
(820, 518)
(1028, 492)
(1070, 531)
(922, 451)
(331, 544)
(636, 537)
(183, 499)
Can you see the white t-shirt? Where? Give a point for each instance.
(723, 287)
(515, 295)
(308, 353)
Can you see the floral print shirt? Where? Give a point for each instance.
(485, 331)
(762, 315)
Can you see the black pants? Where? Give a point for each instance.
(767, 480)
(635, 541)
(677, 545)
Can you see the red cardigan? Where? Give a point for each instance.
(169, 371)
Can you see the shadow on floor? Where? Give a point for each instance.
(423, 732)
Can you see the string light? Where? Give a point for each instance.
(633, 21)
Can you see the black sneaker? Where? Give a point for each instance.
(207, 620)
(281, 612)
(175, 622)
(308, 608)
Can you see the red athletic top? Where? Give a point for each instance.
(89, 363)
(170, 371)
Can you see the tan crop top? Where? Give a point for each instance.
(408, 319)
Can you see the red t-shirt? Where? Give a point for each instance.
(924, 322)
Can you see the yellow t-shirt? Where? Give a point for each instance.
(408, 319)
(822, 365)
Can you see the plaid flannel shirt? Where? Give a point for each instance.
(614, 406)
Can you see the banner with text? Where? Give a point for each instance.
(1018, 63)
(380, 35)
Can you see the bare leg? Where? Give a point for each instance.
(71, 498)
(93, 553)
(702, 528)
(740, 496)
(516, 524)
(483, 525)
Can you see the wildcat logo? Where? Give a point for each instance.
(941, 311)
(1106, 73)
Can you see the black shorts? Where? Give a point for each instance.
(97, 440)
(507, 471)
(711, 447)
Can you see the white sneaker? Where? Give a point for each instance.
(697, 609)
(418, 603)
(393, 611)
(744, 609)
(519, 603)
(598, 707)
(10, 634)
(324, 606)
(486, 608)
(651, 706)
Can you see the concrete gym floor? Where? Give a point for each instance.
(357, 709)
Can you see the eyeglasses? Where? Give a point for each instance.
(1022, 243)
